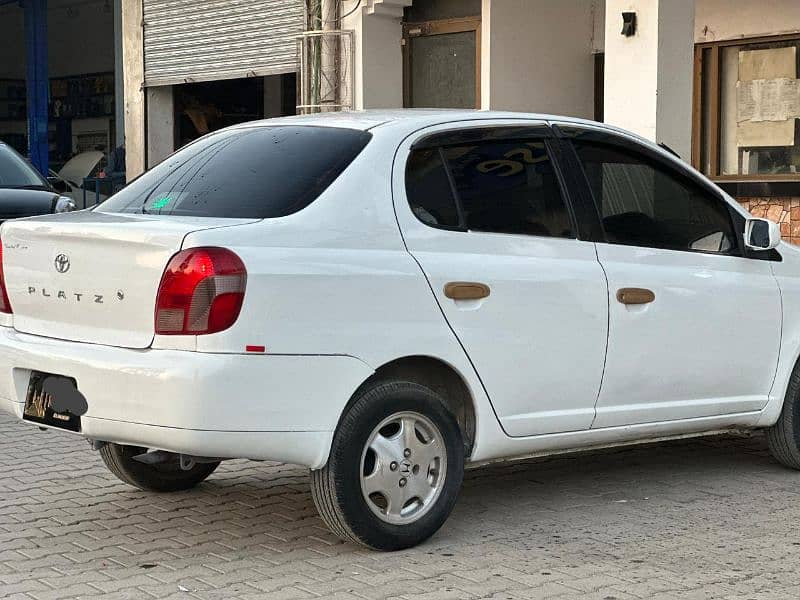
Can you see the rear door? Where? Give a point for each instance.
(695, 325)
(483, 211)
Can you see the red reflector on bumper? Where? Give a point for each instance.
(255, 348)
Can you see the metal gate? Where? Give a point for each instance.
(206, 40)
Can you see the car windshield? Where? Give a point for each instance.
(250, 172)
(15, 172)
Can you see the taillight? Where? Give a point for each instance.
(5, 305)
(201, 292)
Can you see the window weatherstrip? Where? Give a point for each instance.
(555, 155)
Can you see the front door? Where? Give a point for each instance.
(483, 213)
(441, 64)
(694, 326)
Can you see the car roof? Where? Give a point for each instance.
(369, 119)
(411, 119)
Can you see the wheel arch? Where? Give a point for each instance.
(780, 387)
(438, 375)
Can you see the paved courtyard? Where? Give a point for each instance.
(714, 518)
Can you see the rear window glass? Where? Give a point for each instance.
(254, 172)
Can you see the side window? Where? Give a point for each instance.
(428, 189)
(498, 186)
(642, 203)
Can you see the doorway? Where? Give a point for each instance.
(207, 106)
(441, 63)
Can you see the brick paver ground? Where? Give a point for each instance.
(713, 518)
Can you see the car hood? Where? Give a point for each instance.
(80, 166)
(15, 203)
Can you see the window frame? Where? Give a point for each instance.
(672, 168)
(487, 134)
(715, 113)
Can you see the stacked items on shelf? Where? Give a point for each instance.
(84, 96)
(12, 99)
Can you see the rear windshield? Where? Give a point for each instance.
(251, 173)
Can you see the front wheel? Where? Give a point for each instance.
(395, 468)
(783, 438)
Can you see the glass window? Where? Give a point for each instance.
(16, 173)
(252, 172)
(749, 122)
(428, 189)
(643, 203)
(509, 187)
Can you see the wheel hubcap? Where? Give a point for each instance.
(403, 468)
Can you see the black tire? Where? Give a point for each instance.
(163, 477)
(336, 488)
(783, 438)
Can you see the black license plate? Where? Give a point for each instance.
(42, 399)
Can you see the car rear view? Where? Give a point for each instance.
(93, 276)
(100, 309)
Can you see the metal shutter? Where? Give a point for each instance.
(204, 40)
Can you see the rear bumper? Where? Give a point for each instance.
(264, 407)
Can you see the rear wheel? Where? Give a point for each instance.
(395, 468)
(162, 477)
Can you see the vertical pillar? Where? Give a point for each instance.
(378, 76)
(134, 104)
(119, 87)
(37, 83)
(160, 124)
(536, 56)
(330, 61)
(649, 76)
(273, 96)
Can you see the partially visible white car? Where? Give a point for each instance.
(384, 296)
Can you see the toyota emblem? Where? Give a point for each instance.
(61, 263)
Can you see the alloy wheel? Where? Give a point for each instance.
(403, 468)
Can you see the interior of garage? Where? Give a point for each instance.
(207, 106)
(82, 87)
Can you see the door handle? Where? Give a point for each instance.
(635, 296)
(466, 290)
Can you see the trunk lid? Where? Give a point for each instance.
(92, 276)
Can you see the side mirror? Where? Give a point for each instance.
(58, 184)
(761, 234)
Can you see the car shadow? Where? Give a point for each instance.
(266, 509)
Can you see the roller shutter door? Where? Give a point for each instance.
(205, 40)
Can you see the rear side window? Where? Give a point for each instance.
(497, 186)
(429, 190)
(254, 172)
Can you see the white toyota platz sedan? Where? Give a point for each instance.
(383, 297)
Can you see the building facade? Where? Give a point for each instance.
(193, 66)
(716, 80)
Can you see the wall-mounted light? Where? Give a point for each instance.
(628, 24)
